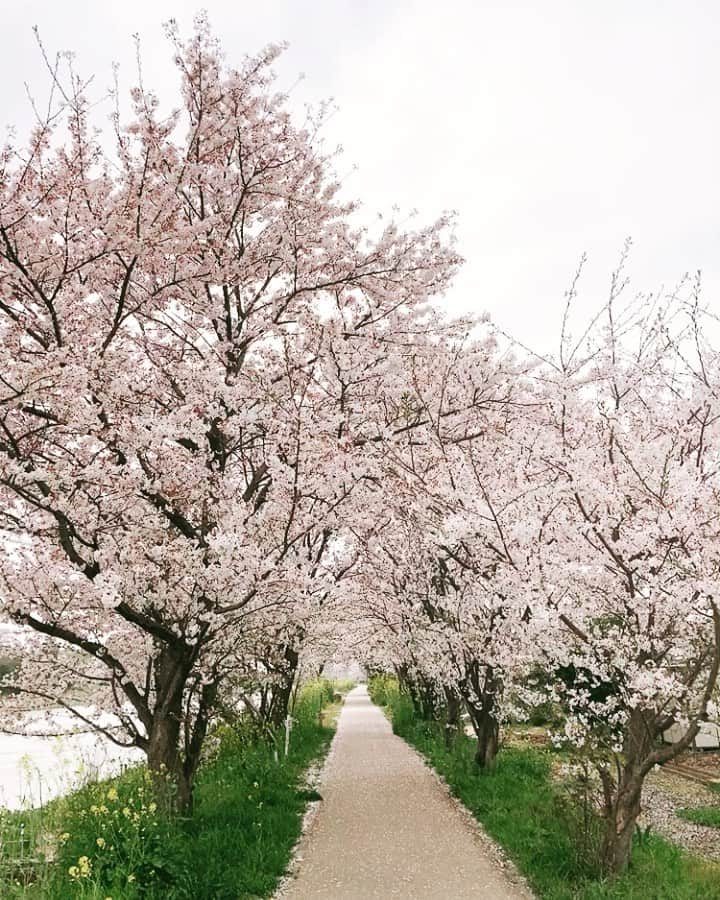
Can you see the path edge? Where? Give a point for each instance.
(313, 779)
(495, 851)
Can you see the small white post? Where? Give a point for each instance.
(288, 729)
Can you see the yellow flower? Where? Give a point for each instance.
(83, 869)
(152, 807)
(101, 843)
(112, 794)
(126, 811)
(131, 877)
(65, 836)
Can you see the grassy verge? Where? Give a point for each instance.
(702, 815)
(523, 809)
(109, 840)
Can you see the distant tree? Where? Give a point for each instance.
(448, 563)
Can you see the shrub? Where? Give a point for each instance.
(381, 687)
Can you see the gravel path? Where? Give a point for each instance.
(665, 793)
(388, 828)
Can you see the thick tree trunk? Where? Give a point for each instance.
(623, 795)
(453, 713)
(480, 698)
(163, 746)
(620, 827)
(432, 709)
(173, 786)
(282, 692)
(163, 757)
(487, 731)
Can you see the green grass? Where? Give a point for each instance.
(702, 815)
(249, 802)
(250, 808)
(523, 809)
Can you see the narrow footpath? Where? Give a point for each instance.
(386, 826)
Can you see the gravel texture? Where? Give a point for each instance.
(663, 794)
(387, 827)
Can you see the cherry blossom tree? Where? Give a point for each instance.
(628, 543)
(449, 561)
(235, 432)
(192, 335)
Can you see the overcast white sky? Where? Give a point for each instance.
(553, 127)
